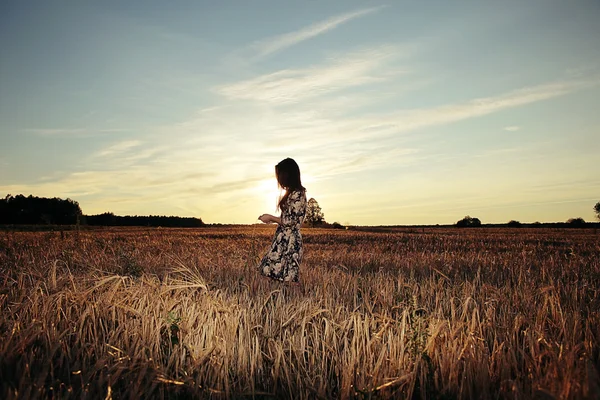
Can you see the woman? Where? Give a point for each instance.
(282, 261)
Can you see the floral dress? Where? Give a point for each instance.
(282, 261)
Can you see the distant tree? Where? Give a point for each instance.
(514, 224)
(576, 222)
(597, 210)
(468, 222)
(314, 215)
(337, 225)
(104, 219)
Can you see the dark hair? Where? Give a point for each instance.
(288, 178)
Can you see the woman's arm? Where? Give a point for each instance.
(268, 218)
(297, 211)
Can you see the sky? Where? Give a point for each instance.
(397, 112)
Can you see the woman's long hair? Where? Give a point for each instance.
(288, 178)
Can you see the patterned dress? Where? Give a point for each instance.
(282, 261)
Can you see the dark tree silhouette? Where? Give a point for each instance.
(104, 219)
(576, 222)
(514, 224)
(468, 222)
(33, 210)
(337, 225)
(314, 215)
(43, 211)
(597, 210)
(109, 219)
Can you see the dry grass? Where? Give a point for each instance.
(438, 313)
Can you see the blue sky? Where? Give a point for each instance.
(397, 112)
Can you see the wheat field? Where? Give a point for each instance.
(488, 313)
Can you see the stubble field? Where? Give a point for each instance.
(397, 313)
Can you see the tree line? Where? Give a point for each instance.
(32, 210)
(110, 219)
(471, 222)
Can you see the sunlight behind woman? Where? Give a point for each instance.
(271, 192)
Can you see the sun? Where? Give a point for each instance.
(270, 191)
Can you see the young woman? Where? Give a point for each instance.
(282, 261)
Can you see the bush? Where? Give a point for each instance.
(514, 224)
(576, 222)
(468, 222)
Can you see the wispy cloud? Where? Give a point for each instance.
(583, 70)
(119, 148)
(407, 120)
(338, 133)
(295, 122)
(55, 131)
(75, 132)
(512, 128)
(359, 159)
(294, 85)
(281, 42)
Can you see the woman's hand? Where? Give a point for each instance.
(266, 218)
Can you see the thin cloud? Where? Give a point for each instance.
(233, 186)
(299, 123)
(295, 85)
(359, 160)
(407, 120)
(272, 129)
(55, 131)
(119, 148)
(77, 132)
(512, 128)
(269, 46)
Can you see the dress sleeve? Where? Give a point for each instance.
(296, 209)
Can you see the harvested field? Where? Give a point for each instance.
(400, 313)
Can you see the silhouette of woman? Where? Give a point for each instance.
(282, 261)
